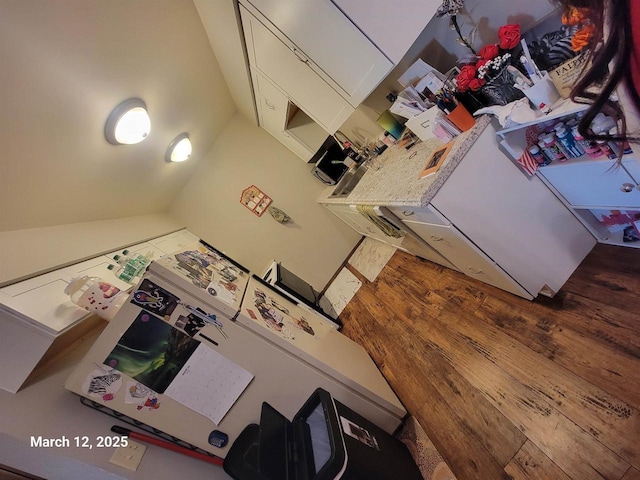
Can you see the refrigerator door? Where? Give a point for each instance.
(280, 321)
(207, 274)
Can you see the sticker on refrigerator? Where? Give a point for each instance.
(208, 271)
(141, 395)
(155, 299)
(191, 324)
(359, 433)
(277, 317)
(104, 383)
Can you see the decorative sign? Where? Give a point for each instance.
(566, 75)
(255, 200)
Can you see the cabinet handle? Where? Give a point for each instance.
(299, 55)
(407, 213)
(627, 187)
(436, 239)
(270, 106)
(476, 272)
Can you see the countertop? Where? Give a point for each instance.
(393, 177)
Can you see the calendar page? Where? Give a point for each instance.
(209, 383)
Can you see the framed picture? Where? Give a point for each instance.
(435, 160)
(255, 200)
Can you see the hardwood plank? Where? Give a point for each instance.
(486, 431)
(441, 422)
(609, 275)
(606, 418)
(632, 474)
(593, 358)
(570, 447)
(603, 323)
(482, 420)
(531, 464)
(583, 343)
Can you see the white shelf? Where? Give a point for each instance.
(561, 108)
(601, 232)
(304, 129)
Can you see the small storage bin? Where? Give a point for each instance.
(422, 125)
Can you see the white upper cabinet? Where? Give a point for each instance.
(289, 70)
(392, 26)
(326, 41)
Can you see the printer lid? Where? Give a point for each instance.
(309, 448)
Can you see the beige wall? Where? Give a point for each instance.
(32, 251)
(313, 245)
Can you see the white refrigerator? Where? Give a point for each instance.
(201, 343)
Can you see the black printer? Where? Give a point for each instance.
(325, 441)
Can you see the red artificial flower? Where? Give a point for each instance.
(481, 63)
(509, 36)
(466, 75)
(488, 52)
(476, 84)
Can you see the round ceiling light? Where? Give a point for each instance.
(128, 123)
(179, 149)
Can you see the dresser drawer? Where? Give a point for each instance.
(427, 214)
(466, 256)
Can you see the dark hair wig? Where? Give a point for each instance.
(608, 64)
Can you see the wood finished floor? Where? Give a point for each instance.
(507, 388)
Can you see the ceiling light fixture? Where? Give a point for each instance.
(128, 123)
(179, 149)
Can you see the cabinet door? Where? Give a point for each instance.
(289, 69)
(426, 214)
(380, 20)
(595, 183)
(273, 107)
(514, 219)
(469, 259)
(356, 221)
(340, 53)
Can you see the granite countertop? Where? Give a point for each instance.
(393, 177)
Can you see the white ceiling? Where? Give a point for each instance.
(64, 65)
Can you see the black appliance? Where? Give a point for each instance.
(329, 162)
(296, 289)
(325, 441)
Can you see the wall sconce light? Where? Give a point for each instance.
(179, 149)
(128, 123)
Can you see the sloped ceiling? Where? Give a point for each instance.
(64, 65)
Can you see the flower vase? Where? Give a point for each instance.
(472, 101)
(500, 90)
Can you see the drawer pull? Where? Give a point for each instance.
(299, 55)
(437, 239)
(627, 187)
(408, 213)
(476, 272)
